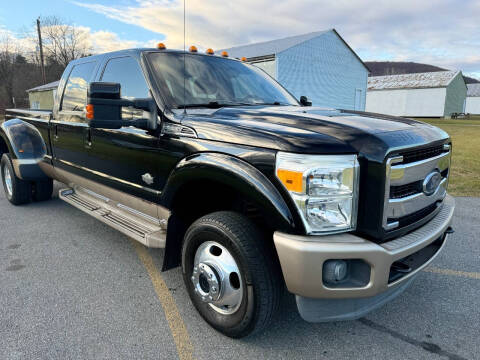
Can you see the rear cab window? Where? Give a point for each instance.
(75, 93)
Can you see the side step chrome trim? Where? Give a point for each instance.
(139, 226)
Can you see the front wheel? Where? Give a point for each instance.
(230, 274)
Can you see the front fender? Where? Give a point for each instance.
(27, 148)
(237, 174)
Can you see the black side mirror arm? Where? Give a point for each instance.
(305, 101)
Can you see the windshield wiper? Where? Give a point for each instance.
(277, 103)
(212, 105)
(218, 105)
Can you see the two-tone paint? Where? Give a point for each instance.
(232, 146)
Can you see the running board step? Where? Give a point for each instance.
(149, 231)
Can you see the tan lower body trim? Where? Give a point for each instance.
(302, 257)
(134, 203)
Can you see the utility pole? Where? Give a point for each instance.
(41, 51)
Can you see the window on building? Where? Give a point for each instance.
(75, 94)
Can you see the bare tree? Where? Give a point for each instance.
(63, 42)
(8, 54)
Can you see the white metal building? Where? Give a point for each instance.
(432, 94)
(319, 65)
(472, 105)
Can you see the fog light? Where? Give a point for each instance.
(334, 271)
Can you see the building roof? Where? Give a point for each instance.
(272, 47)
(412, 81)
(473, 90)
(49, 86)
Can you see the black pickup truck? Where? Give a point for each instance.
(246, 188)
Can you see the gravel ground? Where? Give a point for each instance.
(72, 288)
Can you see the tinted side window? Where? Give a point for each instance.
(128, 73)
(75, 94)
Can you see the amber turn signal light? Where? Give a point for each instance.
(89, 111)
(161, 46)
(292, 180)
(193, 48)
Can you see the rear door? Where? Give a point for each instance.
(126, 158)
(69, 126)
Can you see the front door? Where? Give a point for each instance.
(127, 158)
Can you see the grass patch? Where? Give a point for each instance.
(465, 134)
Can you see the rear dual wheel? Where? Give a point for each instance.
(19, 191)
(230, 274)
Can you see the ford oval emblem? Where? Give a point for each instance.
(431, 183)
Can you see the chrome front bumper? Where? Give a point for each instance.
(302, 259)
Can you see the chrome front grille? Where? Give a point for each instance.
(410, 156)
(407, 199)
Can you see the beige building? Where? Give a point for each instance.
(42, 97)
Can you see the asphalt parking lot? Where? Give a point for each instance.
(73, 288)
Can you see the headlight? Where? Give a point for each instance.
(324, 189)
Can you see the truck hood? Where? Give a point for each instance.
(311, 129)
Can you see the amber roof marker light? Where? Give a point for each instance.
(210, 52)
(243, 59)
(193, 49)
(161, 46)
(224, 54)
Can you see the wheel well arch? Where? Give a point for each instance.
(210, 182)
(197, 198)
(200, 197)
(26, 147)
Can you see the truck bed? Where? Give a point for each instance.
(28, 113)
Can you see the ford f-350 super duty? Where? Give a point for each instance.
(246, 188)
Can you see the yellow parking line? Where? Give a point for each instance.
(175, 321)
(471, 275)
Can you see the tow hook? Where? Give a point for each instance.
(449, 230)
(401, 267)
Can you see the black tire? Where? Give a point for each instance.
(21, 190)
(259, 272)
(42, 190)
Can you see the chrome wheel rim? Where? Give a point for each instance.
(8, 180)
(216, 278)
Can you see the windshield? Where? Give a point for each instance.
(213, 81)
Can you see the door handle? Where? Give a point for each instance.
(88, 138)
(55, 132)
